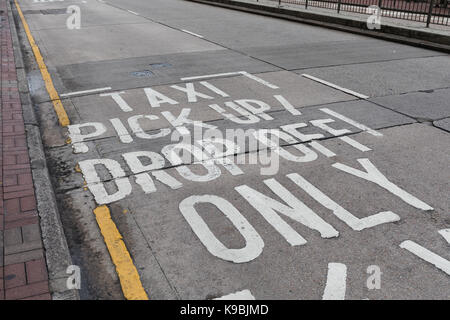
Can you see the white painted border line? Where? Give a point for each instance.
(426, 255)
(236, 73)
(192, 33)
(208, 76)
(336, 282)
(240, 295)
(335, 86)
(84, 91)
(257, 79)
(132, 12)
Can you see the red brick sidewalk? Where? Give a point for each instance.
(23, 272)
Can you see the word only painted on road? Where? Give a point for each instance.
(216, 152)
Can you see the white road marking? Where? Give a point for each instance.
(446, 234)
(76, 93)
(192, 33)
(257, 79)
(116, 96)
(208, 76)
(353, 222)
(372, 174)
(132, 12)
(240, 295)
(122, 132)
(355, 144)
(254, 244)
(287, 105)
(336, 282)
(214, 89)
(323, 150)
(227, 74)
(272, 209)
(335, 86)
(97, 188)
(427, 255)
(77, 137)
(352, 122)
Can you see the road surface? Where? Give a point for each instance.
(336, 186)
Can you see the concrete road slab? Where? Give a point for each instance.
(171, 216)
(154, 70)
(362, 112)
(423, 105)
(64, 161)
(332, 53)
(63, 46)
(54, 15)
(286, 272)
(389, 78)
(211, 23)
(443, 124)
(298, 91)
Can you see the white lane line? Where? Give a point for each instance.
(352, 122)
(227, 74)
(426, 255)
(240, 295)
(84, 91)
(192, 33)
(336, 282)
(132, 12)
(335, 86)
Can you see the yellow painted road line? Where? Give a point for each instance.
(57, 104)
(128, 275)
(129, 278)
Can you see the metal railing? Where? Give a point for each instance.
(427, 11)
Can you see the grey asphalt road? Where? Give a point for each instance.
(345, 193)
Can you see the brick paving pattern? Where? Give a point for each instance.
(23, 272)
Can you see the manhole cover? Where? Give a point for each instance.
(142, 74)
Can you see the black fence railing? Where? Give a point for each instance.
(427, 11)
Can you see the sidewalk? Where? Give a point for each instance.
(23, 270)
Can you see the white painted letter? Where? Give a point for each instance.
(96, 186)
(372, 174)
(77, 137)
(353, 222)
(254, 243)
(295, 210)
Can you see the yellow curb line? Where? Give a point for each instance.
(57, 104)
(129, 277)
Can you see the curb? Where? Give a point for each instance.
(401, 35)
(57, 253)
